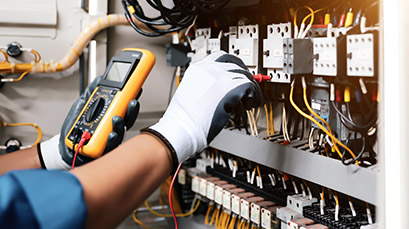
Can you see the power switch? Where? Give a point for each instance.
(95, 109)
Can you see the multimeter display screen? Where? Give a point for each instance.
(118, 71)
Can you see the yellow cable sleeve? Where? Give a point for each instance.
(170, 215)
(327, 19)
(347, 95)
(136, 220)
(349, 19)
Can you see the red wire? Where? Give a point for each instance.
(170, 195)
(84, 137)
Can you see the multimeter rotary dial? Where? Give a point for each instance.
(95, 109)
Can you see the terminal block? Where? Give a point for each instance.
(361, 55)
(273, 51)
(329, 56)
(298, 56)
(245, 45)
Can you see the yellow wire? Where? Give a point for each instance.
(336, 198)
(333, 139)
(247, 225)
(267, 118)
(258, 171)
(177, 81)
(322, 193)
(271, 118)
(209, 209)
(232, 222)
(318, 124)
(215, 212)
(296, 12)
(312, 15)
(170, 215)
(38, 129)
(136, 220)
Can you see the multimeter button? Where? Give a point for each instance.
(113, 92)
(95, 109)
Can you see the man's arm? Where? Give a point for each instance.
(22, 159)
(116, 183)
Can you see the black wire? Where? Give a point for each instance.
(357, 157)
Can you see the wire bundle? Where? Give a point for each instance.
(181, 16)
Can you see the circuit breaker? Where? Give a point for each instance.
(273, 52)
(329, 56)
(360, 55)
(200, 44)
(246, 46)
(298, 56)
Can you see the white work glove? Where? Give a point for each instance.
(202, 104)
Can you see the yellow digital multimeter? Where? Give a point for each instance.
(122, 81)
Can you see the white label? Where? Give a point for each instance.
(265, 218)
(246, 52)
(255, 213)
(210, 191)
(316, 106)
(203, 187)
(235, 204)
(182, 177)
(227, 200)
(278, 52)
(195, 184)
(328, 56)
(218, 195)
(245, 209)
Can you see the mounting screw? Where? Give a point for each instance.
(237, 51)
(14, 49)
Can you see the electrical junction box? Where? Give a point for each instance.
(245, 46)
(298, 56)
(273, 52)
(200, 44)
(327, 56)
(360, 55)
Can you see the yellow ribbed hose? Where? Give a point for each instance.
(74, 52)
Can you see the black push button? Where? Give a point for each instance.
(95, 109)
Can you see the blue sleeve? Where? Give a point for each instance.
(41, 199)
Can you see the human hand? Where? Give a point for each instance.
(203, 103)
(54, 152)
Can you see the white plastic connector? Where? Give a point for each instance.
(329, 30)
(353, 212)
(369, 214)
(322, 205)
(295, 31)
(336, 212)
(363, 24)
(301, 30)
(303, 190)
(332, 92)
(304, 34)
(295, 187)
(272, 179)
(363, 86)
(253, 174)
(248, 176)
(304, 84)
